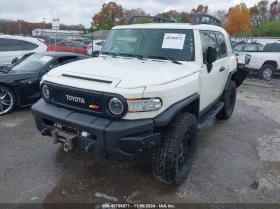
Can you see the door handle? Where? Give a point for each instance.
(222, 69)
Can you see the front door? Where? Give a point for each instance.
(213, 82)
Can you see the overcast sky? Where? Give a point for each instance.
(81, 11)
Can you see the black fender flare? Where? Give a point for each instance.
(165, 117)
(238, 76)
(231, 77)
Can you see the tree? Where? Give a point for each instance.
(268, 29)
(171, 14)
(274, 10)
(199, 9)
(259, 13)
(183, 17)
(128, 13)
(221, 15)
(110, 15)
(136, 12)
(254, 11)
(238, 20)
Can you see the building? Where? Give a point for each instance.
(61, 34)
(101, 34)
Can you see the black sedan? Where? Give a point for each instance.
(19, 83)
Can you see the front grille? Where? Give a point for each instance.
(83, 100)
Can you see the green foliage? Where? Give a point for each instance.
(183, 17)
(246, 32)
(268, 29)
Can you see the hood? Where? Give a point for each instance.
(125, 72)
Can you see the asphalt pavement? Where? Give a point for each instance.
(233, 156)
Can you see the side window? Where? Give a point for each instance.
(10, 45)
(223, 45)
(100, 43)
(69, 44)
(207, 39)
(239, 48)
(78, 45)
(29, 46)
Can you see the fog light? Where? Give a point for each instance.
(57, 125)
(85, 134)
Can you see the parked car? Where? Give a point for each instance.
(249, 48)
(153, 87)
(69, 46)
(264, 63)
(13, 48)
(96, 48)
(83, 40)
(19, 83)
(52, 41)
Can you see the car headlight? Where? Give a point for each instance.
(45, 91)
(116, 106)
(144, 105)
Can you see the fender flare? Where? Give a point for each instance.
(165, 117)
(231, 77)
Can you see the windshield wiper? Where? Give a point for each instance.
(140, 57)
(110, 53)
(166, 58)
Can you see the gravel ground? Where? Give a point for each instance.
(231, 156)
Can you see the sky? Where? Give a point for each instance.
(81, 11)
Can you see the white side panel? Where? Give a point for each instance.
(171, 93)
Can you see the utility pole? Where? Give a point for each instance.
(19, 26)
(44, 26)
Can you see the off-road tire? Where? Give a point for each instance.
(229, 99)
(10, 96)
(166, 158)
(266, 76)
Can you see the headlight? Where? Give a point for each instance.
(143, 105)
(116, 106)
(45, 91)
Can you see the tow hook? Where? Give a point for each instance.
(66, 139)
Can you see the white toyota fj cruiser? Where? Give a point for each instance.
(153, 87)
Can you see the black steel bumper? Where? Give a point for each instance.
(113, 140)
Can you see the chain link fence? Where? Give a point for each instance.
(261, 58)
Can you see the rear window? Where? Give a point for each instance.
(7, 44)
(272, 48)
(29, 46)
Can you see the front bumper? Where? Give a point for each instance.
(113, 140)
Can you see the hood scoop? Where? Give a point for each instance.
(88, 79)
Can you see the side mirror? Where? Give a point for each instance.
(212, 55)
(52, 67)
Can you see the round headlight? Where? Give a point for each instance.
(115, 106)
(45, 91)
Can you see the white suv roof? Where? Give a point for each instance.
(173, 26)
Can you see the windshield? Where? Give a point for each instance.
(31, 63)
(173, 43)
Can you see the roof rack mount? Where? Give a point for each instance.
(212, 20)
(156, 19)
